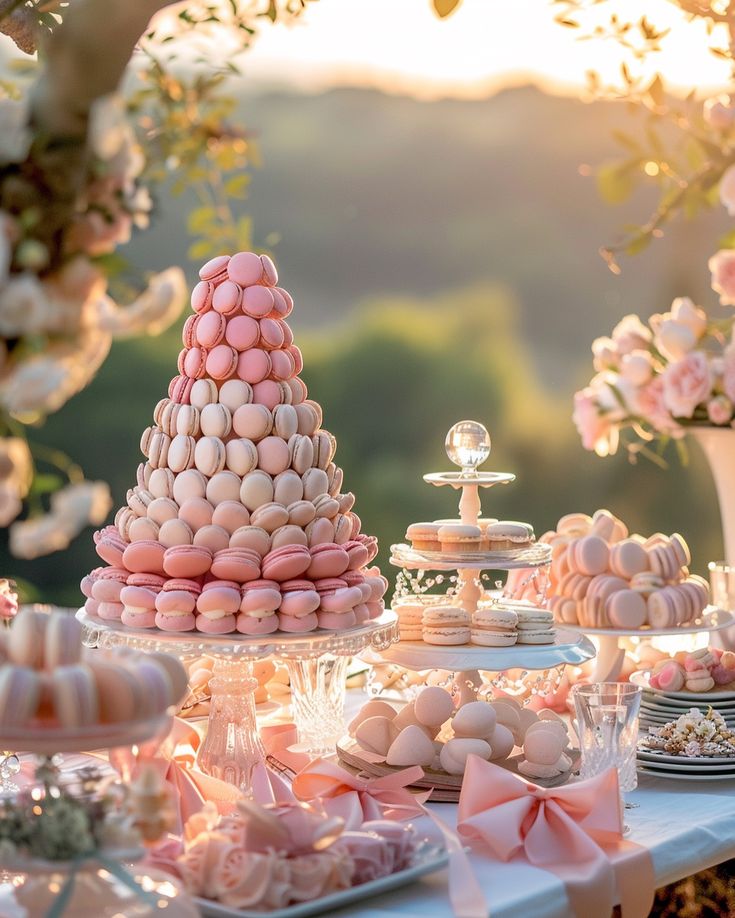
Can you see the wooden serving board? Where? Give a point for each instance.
(445, 788)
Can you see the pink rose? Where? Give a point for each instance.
(687, 383)
(718, 112)
(722, 266)
(728, 373)
(650, 406)
(593, 426)
(719, 409)
(630, 334)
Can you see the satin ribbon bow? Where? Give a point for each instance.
(358, 800)
(174, 759)
(575, 831)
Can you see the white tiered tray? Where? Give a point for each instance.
(569, 647)
(50, 740)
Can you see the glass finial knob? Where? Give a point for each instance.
(468, 445)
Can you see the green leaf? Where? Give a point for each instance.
(615, 183)
(637, 245)
(445, 8)
(200, 249)
(200, 220)
(46, 483)
(237, 186)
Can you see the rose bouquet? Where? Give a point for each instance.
(657, 378)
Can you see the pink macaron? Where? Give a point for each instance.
(145, 556)
(357, 553)
(187, 561)
(195, 362)
(336, 621)
(252, 422)
(242, 332)
(201, 297)
(227, 298)
(238, 564)
(215, 269)
(180, 389)
(286, 563)
(217, 607)
(247, 623)
(110, 546)
(20, 695)
(252, 537)
(175, 610)
(273, 455)
(327, 560)
(271, 334)
(283, 366)
(267, 393)
(139, 607)
(299, 625)
(257, 301)
(270, 274)
(253, 366)
(300, 601)
(245, 268)
(210, 329)
(222, 361)
(108, 584)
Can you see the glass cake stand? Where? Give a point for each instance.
(317, 664)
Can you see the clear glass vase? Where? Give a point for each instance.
(318, 700)
(231, 748)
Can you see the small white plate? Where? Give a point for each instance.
(712, 619)
(684, 766)
(663, 757)
(641, 679)
(685, 776)
(428, 860)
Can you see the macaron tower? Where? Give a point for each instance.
(238, 521)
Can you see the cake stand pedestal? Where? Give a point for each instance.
(317, 664)
(465, 660)
(610, 656)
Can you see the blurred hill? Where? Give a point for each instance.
(443, 259)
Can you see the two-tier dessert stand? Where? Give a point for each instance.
(611, 652)
(468, 446)
(317, 664)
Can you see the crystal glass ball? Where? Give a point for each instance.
(468, 445)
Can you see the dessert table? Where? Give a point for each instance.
(687, 826)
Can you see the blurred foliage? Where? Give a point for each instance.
(672, 145)
(392, 380)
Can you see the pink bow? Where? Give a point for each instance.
(358, 800)
(174, 759)
(574, 831)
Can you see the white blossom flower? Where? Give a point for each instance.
(83, 504)
(24, 307)
(154, 310)
(15, 135)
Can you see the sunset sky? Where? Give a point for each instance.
(401, 46)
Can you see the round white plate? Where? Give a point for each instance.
(712, 620)
(672, 712)
(685, 776)
(568, 647)
(642, 679)
(665, 758)
(698, 769)
(50, 740)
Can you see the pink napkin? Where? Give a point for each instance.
(574, 831)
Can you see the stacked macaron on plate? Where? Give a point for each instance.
(57, 696)
(238, 523)
(711, 619)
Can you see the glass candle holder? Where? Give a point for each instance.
(607, 726)
(722, 582)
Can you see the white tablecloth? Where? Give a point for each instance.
(687, 826)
